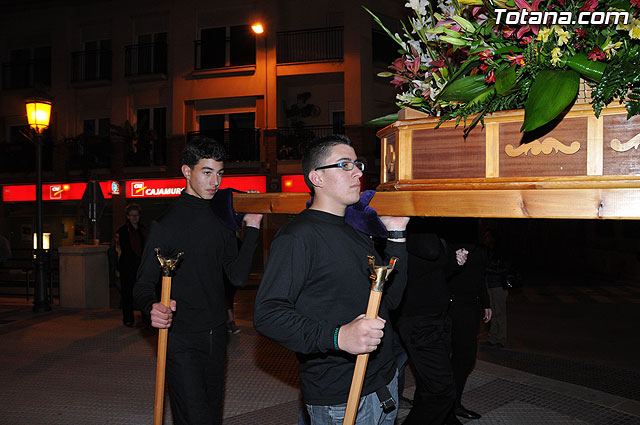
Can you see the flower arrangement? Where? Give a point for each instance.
(474, 57)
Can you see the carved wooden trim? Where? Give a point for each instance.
(547, 146)
(618, 146)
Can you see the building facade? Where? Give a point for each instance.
(133, 81)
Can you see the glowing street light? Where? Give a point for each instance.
(38, 115)
(257, 28)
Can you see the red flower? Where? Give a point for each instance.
(490, 78)
(580, 32)
(484, 67)
(516, 59)
(596, 54)
(486, 55)
(636, 3)
(589, 6)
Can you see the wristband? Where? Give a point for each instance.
(397, 234)
(335, 338)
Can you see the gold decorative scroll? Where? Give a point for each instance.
(547, 146)
(618, 146)
(390, 158)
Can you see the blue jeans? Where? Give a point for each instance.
(369, 410)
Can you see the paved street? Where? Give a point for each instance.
(83, 367)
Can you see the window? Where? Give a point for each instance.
(226, 46)
(235, 131)
(28, 67)
(93, 63)
(149, 56)
(151, 130)
(103, 127)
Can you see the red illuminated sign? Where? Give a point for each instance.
(293, 183)
(173, 187)
(51, 192)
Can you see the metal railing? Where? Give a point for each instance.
(26, 74)
(291, 141)
(19, 272)
(91, 65)
(242, 144)
(144, 59)
(310, 45)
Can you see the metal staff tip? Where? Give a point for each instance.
(168, 264)
(380, 274)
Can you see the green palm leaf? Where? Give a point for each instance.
(551, 92)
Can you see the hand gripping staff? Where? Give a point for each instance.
(379, 275)
(168, 265)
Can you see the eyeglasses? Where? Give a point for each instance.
(345, 165)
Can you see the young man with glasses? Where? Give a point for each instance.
(316, 286)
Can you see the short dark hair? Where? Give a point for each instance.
(132, 207)
(316, 153)
(202, 147)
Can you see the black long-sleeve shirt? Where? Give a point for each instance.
(317, 278)
(468, 283)
(430, 262)
(210, 252)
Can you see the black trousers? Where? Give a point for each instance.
(428, 343)
(127, 280)
(465, 317)
(195, 375)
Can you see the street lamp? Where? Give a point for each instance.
(38, 115)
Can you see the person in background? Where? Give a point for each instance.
(425, 327)
(469, 304)
(496, 276)
(131, 238)
(5, 249)
(197, 314)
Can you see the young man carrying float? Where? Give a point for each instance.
(316, 286)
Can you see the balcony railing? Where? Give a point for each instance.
(241, 144)
(26, 74)
(292, 141)
(91, 65)
(310, 45)
(145, 59)
(89, 152)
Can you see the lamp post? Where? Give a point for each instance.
(38, 115)
(258, 29)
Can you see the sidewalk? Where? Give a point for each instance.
(72, 367)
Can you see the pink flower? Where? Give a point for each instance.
(589, 6)
(490, 78)
(508, 32)
(398, 65)
(399, 81)
(484, 67)
(438, 63)
(533, 7)
(516, 59)
(596, 54)
(486, 55)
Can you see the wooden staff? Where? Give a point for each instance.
(379, 275)
(168, 265)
